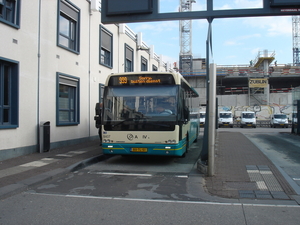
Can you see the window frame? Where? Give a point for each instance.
(70, 82)
(108, 50)
(73, 37)
(154, 68)
(15, 18)
(144, 64)
(12, 95)
(128, 63)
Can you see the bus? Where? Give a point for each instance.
(148, 113)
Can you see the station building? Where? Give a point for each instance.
(54, 58)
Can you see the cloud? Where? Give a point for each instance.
(237, 40)
(156, 27)
(271, 26)
(169, 59)
(248, 3)
(240, 4)
(231, 43)
(255, 51)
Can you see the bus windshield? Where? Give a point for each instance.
(139, 107)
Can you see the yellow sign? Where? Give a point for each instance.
(138, 80)
(258, 82)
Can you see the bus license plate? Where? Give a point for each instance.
(139, 149)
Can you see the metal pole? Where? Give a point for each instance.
(204, 152)
(212, 119)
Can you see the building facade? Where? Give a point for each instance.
(55, 56)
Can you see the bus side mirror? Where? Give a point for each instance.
(186, 114)
(98, 109)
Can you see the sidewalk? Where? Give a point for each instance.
(242, 171)
(17, 174)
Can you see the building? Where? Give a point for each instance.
(54, 59)
(262, 85)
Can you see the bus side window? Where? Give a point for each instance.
(186, 114)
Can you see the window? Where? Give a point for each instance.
(68, 26)
(128, 58)
(144, 64)
(67, 100)
(154, 68)
(9, 94)
(9, 12)
(106, 47)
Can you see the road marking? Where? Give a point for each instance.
(182, 176)
(292, 205)
(34, 164)
(132, 174)
(65, 155)
(122, 174)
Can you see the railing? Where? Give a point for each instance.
(242, 70)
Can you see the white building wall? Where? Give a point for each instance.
(34, 47)
(22, 45)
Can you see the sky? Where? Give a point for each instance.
(235, 41)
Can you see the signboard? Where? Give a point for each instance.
(128, 11)
(285, 3)
(258, 82)
(149, 79)
(126, 7)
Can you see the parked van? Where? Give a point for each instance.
(279, 120)
(202, 118)
(225, 119)
(248, 119)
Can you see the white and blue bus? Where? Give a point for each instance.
(148, 113)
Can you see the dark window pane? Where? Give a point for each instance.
(6, 83)
(5, 115)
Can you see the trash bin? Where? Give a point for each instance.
(44, 136)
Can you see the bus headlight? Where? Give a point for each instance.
(171, 141)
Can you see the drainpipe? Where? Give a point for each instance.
(38, 77)
(89, 68)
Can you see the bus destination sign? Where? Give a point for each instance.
(149, 79)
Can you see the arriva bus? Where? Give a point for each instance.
(148, 113)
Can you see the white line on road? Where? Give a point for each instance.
(292, 205)
(122, 174)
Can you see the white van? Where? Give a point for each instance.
(202, 118)
(225, 119)
(248, 119)
(279, 120)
